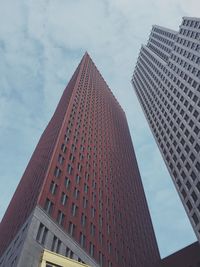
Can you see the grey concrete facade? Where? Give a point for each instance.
(37, 233)
(166, 80)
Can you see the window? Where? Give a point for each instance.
(109, 245)
(73, 148)
(197, 165)
(71, 229)
(188, 185)
(42, 234)
(85, 202)
(57, 172)
(197, 148)
(101, 259)
(195, 218)
(63, 148)
(91, 249)
(189, 205)
(194, 196)
(86, 188)
(193, 176)
(198, 186)
(79, 167)
(74, 209)
(78, 178)
(67, 252)
(60, 218)
(82, 240)
(13, 262)
(93, 211)
(92, 229)
(71, 158)
(60, 159)
(48, 206)
(67, 183)
(76, 193)
(56, 244)
(53, 188)
(69, 169)
(64, 198)
(83, 219)
(100, 238)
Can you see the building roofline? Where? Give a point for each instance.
(192, 18)
(164, 28)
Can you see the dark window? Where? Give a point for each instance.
(42, 234)
(195, 218)
(57, 172)
(194, 196)
(198, 166)
(189, 205)
(197, 148)
(198, 186)
(60, 218)
(48, 206)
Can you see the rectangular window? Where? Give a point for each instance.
(92, 229)
(57, 172)
(56, 244)
(76, 193)
(93, 212)
(67, 183)
(82, 240)
(71, 158)
(78, 178)
(195, 218)
(48, 206)
(64, 198)
(69, 169)
(63, 148)
(101, 259)
(91, 249)
(194, 196)
(79, 167)
(85, 202)
(85, 188)
(60, 218)
(74, 209)
(189, 205)
(42, 234)
(71, 255)
(60, 159)
(67, 251)
(71, 229)
(53, 188)
(198, 186)
(83, 220)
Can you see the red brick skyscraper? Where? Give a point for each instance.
(81, 194)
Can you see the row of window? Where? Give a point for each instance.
(163, 32)
(191, 23)
(189, 33)
(42, 237)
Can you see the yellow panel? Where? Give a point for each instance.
(54, 258)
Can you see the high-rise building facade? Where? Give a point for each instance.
(81, 194)
(166, 80)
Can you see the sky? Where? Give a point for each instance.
(41, 44)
